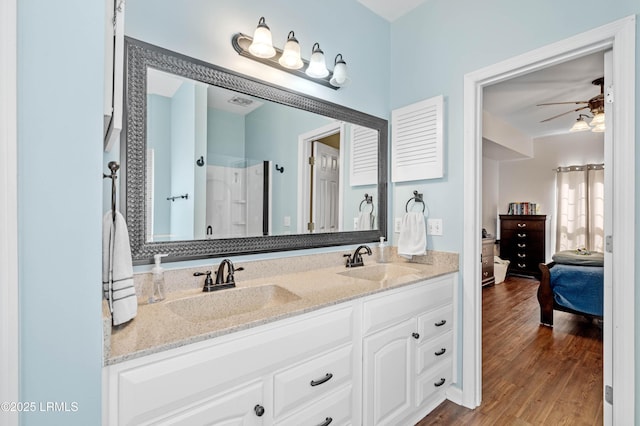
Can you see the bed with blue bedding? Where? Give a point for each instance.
(573, 282)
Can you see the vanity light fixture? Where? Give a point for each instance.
(260, 49)
(262, 45)
(317, 66)
(291, 55)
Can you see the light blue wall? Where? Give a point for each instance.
(225, 137)
(449, 39)
(60, 166)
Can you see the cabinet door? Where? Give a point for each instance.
(242, 406)
(388, 374)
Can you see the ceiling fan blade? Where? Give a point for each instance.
(563, 103)
(565, 113)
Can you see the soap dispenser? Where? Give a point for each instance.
(383, 251)
(158, 279)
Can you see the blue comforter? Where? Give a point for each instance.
(580, 288)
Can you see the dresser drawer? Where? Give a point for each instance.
(312, 379)
(435, 323)
(522, 224)
(433, 383)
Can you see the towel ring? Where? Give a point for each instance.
(418, 199)
(367, 199)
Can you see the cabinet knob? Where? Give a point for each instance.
(415, 335)
(259, 409)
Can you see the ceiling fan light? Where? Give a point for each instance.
(291, 54)
(598, 119)
(262, 45)
(580, 125)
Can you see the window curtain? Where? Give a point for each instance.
(580, 207)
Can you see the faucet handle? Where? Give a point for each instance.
(230, 278)
(208, 282)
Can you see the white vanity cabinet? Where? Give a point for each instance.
(407, 352)
(253, 377)
(381, 359)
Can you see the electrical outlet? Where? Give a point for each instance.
(434, 226)
(397, 224)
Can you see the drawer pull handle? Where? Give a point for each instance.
(521, 245)
(522, 255)
(522, 225)
(440, 352)
(522, 235)
(326, 422)
(321, 381)
(415, 335)
(259, 409)
(485, 274)
(440, 383)
(441, 323)
(522, 265)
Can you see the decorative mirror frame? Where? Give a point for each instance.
(140, 55)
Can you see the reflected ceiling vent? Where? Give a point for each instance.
(240, 101)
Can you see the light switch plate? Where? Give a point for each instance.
(397, 224)
(434, 226)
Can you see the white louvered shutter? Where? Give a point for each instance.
(364, 156)
(417, 141)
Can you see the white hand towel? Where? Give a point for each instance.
(117, 269)
(365, 221)
(413, 235)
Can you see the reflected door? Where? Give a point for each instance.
(325, 188)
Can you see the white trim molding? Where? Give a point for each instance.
(9, 331)
(619, 36)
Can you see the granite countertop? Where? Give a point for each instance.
(170, 324)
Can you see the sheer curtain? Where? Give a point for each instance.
(580, 207)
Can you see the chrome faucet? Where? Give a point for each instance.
(221, 282)
(356, 259)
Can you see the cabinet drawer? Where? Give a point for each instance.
(434, 351)
(434, 383)
(435, 323)
(334, 410)
(385, 310)
(523, 224)
(312, 379)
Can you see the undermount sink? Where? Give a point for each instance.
(226, 303)
(379, 272)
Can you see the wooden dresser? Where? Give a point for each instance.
(487, 261)
(522, 240)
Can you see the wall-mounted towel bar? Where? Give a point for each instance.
(113, 166)
(367, 199)
(418, 199)
(175, 197)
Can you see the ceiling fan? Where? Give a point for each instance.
(595, 106)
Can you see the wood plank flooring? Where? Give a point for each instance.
(532, 375)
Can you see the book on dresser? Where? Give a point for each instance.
(522, 241)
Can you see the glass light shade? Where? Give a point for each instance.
(262, 45)
(598, 128)
(580, 125)
(340, 76)
(291, 54)
(598, 119)
(317, 67)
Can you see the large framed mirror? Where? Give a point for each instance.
(217, 164)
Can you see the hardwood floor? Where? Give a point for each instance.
(532, 375)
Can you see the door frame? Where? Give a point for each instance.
(9, 297)
(304, 180)
(620, 37)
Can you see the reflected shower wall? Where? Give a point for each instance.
(238, 199)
